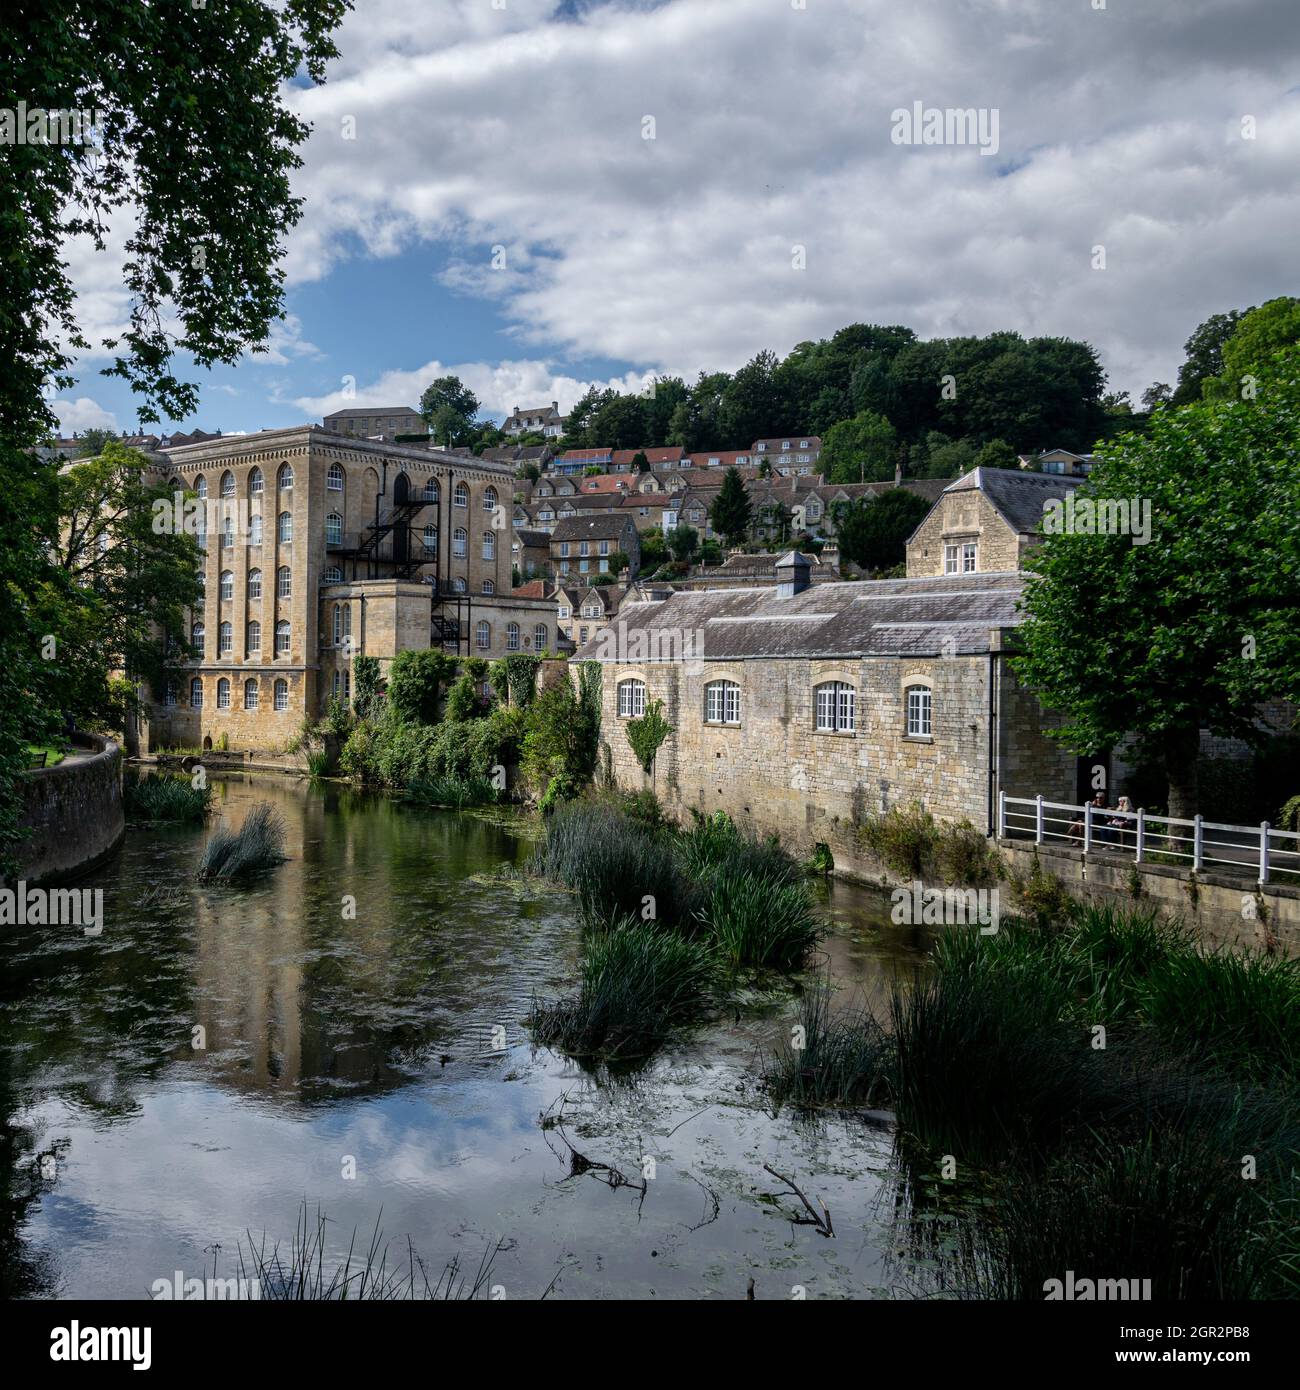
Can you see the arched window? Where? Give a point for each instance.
(431, 493)
(836, 708)
(227, 584)
(255, 529)
(250, 694)
(176, 485)
(284, 582)
(539, 637)
(483, 635)
(197, 635)
(223, 693)
(512, 637)
(459, 586)
(460, 495)
(920, 708)
(256, 483)
(227, 532)
(490, 499)
(338, 623)
(489, 587)
(631, 699)
(169, 695)
(254, 583)
(334, 478)
(225, 639)
(334, 529)
(227, 484)
(331, 575)
(431, 538)
(459, 541)
(254, 637)
(489, 546)
(284, 478)
(347, 624)
(722, 702)
(201, 486)
(282, 639)
(285, 528)
(282, 695)
(202, 581)
(196, 693)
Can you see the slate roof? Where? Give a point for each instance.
(884, 617)
(1017, 496)
(585, 528)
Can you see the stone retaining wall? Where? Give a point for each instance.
(73, 812)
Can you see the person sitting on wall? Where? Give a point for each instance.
(1099, 831)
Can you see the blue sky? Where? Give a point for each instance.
(770, 206)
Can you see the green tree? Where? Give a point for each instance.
(683, 542)
(1204, 355)
(860, 450)
(93, 442)
(646, 735)
(193, 103)
(997, 453)
(730, 511)
(451, 410)
(1258, 335)
(1194, 629)
(873, 531)
(619, 423)
(415, 683)
(365, 671)
(640, 462)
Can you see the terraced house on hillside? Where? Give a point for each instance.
(322, 548)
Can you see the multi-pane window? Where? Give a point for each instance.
(254, 583)
(431, 493)
(631, 699)
(255, 529)
(334, 529)
(489, 546)
(227, 484)
(459, 541)
(285, 528)
(919, 707)
(539, 637)
(460, 495)
(968, 557)
(256, 483)
(227, 533)
(489, 587)
(196, 693)
(282, 695)
(284, 478)
(225, 639)
(250, 694)
(201, 487)
(512, 637)
(254, 637)
(460, 586)
(284, 582)
(282, 639)
(331, 575)
(223, 693)
(169, 696)
(836, 712)
(197, 635)
(951, 559)
(483, 635)
(227, 584)
(490, 499)
(334, 478)
(431, 537)
(722, 702)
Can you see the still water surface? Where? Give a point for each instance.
(369, 1038)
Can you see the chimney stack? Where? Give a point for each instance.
(792, 574)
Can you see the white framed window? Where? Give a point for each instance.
(483, 635)
(227, 484)
(431, 537)
(284, 582)
(254, 583)
(968, 553)
(225, 639)
(512, 637)
(281, 700)
(490, 499)
(334, 478)
(722, 702)
(460, 495)
(334, 529)
(284, 478)
(631, 699)
(459, 542)
(338, 623)
(254, 642)
(489, 587)
(255, 529)
(197, 639)
(227, 584)
(836, 708)
(256, 483)
(250, 694)
(227, 534)
(489, 546)
(539, 637)
(169, 695)
(285, 528)
(460, 586)
(196, 693)
(223, 693)
(201, 487)
(431, 493)
(282, 639)
(565, 611)
(919, 711)
(331, 575)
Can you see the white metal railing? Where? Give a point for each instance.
(1267, 854)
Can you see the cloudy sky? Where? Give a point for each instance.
(482, 197)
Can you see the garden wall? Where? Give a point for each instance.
(73, 812)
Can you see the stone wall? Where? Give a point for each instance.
(73, 812)
(963, 516)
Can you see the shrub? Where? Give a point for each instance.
(365, 673)
(231, 855)
(641, 982)
(160, 797)
(964, 855)
(844, 1058)
(457, 792)
(903, 838)
(647, 734)
(1041, 893)
(415, 682)
(318, 763)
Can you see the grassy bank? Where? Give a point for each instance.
(1127, 1099)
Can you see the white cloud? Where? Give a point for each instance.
(477, 127)
(82, 414)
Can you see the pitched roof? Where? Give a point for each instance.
(607, 526)
(883, 617)
(1018, 497)
(535, 588)
(653, 456)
